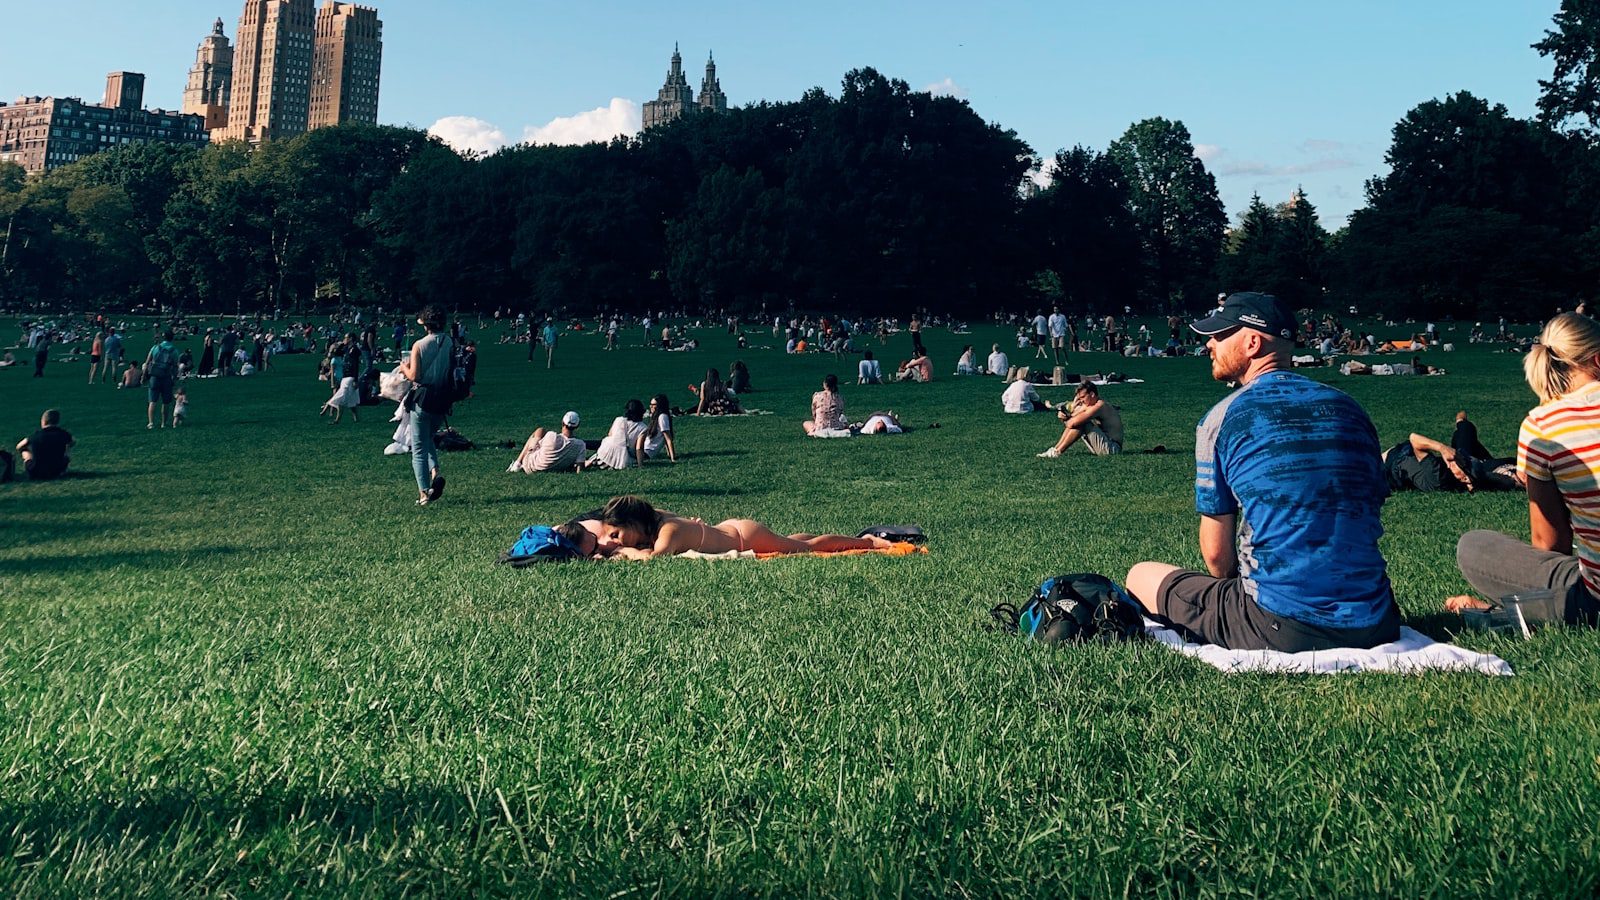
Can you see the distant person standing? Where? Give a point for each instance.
(161, 370)
(1041, 327)
(550, 337)
(208, 354)
(916, 336)
(1058, 336)
(41, 354)
(229, 343)
(96, 353)
(113, 354)
(399, 335)
(428, 367)
(1111, 334)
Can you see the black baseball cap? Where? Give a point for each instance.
(1248, 309)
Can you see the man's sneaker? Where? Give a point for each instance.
(1052, 453)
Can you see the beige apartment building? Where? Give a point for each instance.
(345, 66)
(271, 93)
(296, 68)
(211, 79)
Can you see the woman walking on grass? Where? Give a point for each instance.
(1558, 454)
(428, 367)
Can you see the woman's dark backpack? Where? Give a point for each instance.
(1074, 609)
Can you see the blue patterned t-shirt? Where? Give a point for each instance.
(1299, 462)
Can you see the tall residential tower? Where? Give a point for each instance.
(211, 79)
(676, 98)
(346, 65)
(271, 92)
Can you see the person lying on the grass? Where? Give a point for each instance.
(1090, 419)
(1420, 463)
(1289, 487)
(640, 531)
(1558, 456)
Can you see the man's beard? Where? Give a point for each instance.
(1227, 365)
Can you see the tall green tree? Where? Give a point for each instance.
(1176, 209)
(1084, 231)
(1573, 90)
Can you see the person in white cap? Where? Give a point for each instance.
(551, 451)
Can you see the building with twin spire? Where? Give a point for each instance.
(676, 99)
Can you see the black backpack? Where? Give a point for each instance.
(1074, 609)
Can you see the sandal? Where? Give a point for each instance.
(436, 489)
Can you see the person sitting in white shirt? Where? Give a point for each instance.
(868, 371)
(999, 363)
(967, 364)
(1022, 397)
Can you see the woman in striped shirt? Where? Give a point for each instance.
(1558, 456)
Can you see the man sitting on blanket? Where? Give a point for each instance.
(1289, 485)
(641, 531)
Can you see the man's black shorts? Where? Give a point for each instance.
(1217, 611)
(1038, 340)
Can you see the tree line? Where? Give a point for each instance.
(881, 199)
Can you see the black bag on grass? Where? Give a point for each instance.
(1074, 609)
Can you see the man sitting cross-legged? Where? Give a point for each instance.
(1097, 423)
(1289, 486)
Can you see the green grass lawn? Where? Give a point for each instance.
(235, 658)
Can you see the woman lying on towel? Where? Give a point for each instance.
(640, 531)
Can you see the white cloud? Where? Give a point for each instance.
(601, 124)
(466, 134)
(471, 135)
(946, 88)
(1046, 173)
(1224, 165)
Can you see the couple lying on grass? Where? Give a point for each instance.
(630, 528)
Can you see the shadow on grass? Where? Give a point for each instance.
(82, 562)
(1441, 626)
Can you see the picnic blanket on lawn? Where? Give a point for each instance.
(901, 549)
(1413, 652)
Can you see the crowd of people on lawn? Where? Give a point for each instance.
(1290, 476)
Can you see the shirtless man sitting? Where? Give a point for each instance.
(640, 531)
(1094, 421)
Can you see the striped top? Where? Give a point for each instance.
(1560, 442)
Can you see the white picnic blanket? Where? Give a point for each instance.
(831, 433)
(1413, 652)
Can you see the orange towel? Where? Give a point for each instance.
(900, 549)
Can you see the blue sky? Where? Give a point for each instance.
(1275, 93)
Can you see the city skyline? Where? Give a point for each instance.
(1275, 97)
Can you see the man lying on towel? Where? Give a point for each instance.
(1289, 484)
(637, 530)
